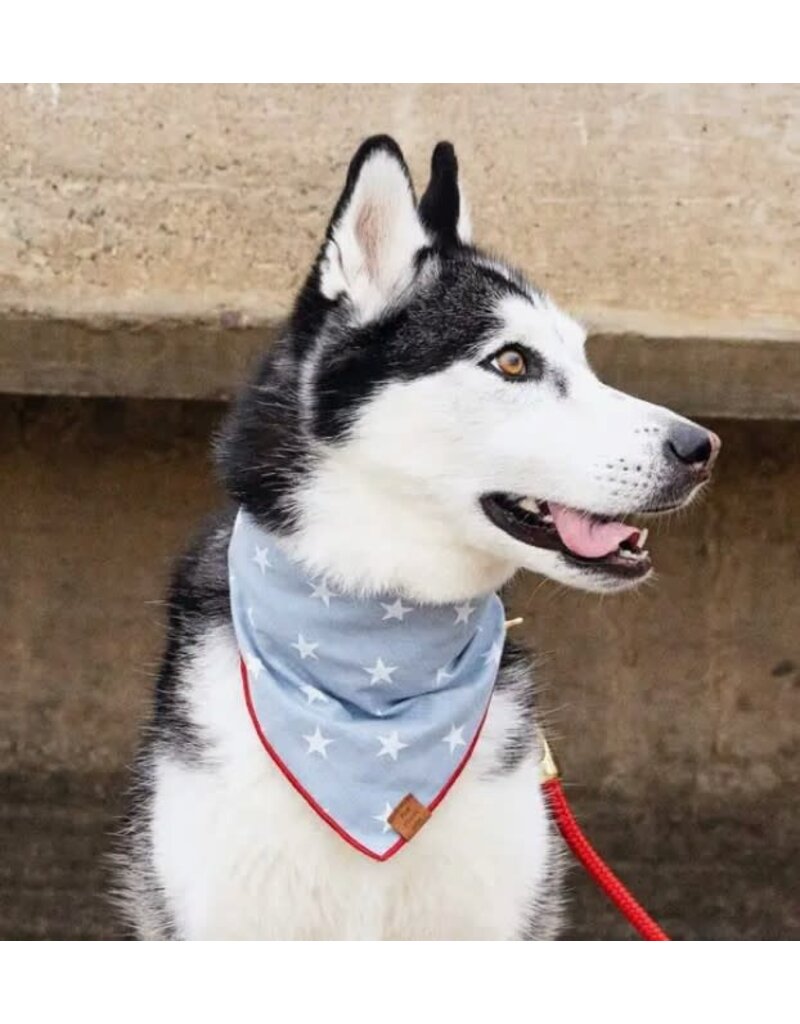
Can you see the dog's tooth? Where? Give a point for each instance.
(529, 505)
(641, 540)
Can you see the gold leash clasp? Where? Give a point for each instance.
(548, 769)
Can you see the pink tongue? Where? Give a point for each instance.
(585, 536)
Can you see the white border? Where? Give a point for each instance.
(409, 41)
(452, 983)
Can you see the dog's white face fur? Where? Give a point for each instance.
(400, 493)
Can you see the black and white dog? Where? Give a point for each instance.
(426, 426)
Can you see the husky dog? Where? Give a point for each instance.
(426, 426)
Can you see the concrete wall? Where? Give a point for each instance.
(146, 231)
(697, 676)
(675, 712)
(668, 202)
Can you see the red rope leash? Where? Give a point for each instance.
(596, 867)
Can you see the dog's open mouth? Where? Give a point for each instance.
(585, 539)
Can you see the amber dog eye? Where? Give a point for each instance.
(511, 362)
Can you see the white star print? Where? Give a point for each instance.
(251, 615)
(494, 654)
(455, 738)
(313, 694)
(384, 818)
(261, 558)
(254, 666)
(463, 612)
(380, 673)
(391, 745)
(304, 648)
(441, 675)
(317, 743)
(396, 611)
(322, 591)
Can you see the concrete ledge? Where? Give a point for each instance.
(162, 359)
(717, 374)
(757, 378)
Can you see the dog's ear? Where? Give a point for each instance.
(443, 209)
(375, 231)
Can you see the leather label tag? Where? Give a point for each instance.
(408, 817)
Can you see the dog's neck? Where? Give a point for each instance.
(292, 618)
(369, 536)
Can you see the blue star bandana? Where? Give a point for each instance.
(359, 701)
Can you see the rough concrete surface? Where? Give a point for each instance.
(152, 236)
(669, 201)
(675, 711)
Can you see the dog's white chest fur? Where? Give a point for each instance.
(241, 855)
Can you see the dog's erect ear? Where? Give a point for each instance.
(443, 208)
(375, 231)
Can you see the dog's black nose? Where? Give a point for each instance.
(693, 445)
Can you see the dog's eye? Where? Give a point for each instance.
(511, 362)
